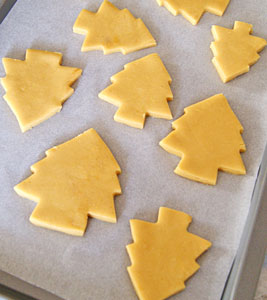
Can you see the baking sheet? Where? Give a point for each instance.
(94, 266)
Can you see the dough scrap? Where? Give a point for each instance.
(75, 180)
(207, 138)
(141, 89)
(37, 86)
(194, 9)
(112, 30)
(235, 50)
(163, 254)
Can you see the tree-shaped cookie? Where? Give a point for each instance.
(141, 89)
(207, 138)
(75, 180)
(112, 30)
(193, 10)
(163, 254)
(235, 50)
(37, 86)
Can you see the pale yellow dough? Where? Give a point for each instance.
(207, 138)
(163, 254)
(193, 10)
(141, 89)
(235, 49)
(112, 30)
(75, 180)
(37, 87)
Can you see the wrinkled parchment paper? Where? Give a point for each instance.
(94, 266)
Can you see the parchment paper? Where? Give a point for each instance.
(94, 266)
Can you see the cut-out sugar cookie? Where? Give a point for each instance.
(163, 254)
(207, 138)
(235, 50)
(75, 180)
(37, 86)
(193, 10)
(112, 30)
(141, 89)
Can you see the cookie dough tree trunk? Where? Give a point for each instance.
(130, 116)
(49, 215)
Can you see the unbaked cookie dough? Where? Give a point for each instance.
(112, 30)
(75, 180)
(207, 138)
(193, 10)
(235, 50)
(141, 89)
(163, 254)
(37, 86)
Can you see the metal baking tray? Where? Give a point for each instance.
(243, 276)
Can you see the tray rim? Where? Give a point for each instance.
(244, 256)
